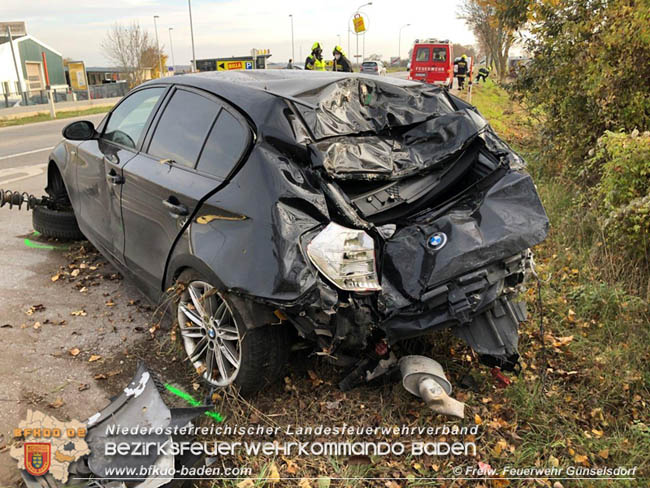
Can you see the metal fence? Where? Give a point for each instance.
(39, 97)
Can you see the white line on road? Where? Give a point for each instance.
(26, 153)
(21, 173)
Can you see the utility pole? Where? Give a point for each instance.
(171, 49)
(158, 46)
(13, 54)
(293, 51)
(189, 4)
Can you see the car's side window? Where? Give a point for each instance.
(127, 122)
(224, 147)
(183, 127)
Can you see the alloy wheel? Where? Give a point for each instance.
(210, 334)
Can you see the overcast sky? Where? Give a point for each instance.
(233, 27)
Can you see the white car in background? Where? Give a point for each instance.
(373, 68)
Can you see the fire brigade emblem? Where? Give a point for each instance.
(37, 458)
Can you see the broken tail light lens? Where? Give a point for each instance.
(346, 257)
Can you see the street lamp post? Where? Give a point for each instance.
(189, 5)
(399, 42)
(155, 25)
(171, 49)
(293, 51)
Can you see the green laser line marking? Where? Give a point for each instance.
(192, 401)
(37, 245)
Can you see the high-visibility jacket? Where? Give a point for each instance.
(484, 72)
(343, 64)
(313, 63)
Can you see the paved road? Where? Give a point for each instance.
(24, 148)
(36, 368)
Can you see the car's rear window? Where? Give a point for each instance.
(422, 54)
(440, 54)
(224, 147)
(369, 64)
(183, 127)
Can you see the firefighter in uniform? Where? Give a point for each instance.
(462, 66)
(314, 61)
(483, 73)
(341, 62)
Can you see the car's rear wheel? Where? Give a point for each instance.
(220, 346)
(60, 224)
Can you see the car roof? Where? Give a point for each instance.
(246, 87)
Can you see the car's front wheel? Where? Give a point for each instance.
(220, 346)
(57, 223)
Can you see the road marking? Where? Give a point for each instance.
(23, 171)
(26, 153)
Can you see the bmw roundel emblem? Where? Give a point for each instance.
(437, 241)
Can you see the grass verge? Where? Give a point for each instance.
(66, 114)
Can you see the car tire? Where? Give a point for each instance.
(60, 224)
(263, 351)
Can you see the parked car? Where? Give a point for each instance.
(272, 209)
(373, 68)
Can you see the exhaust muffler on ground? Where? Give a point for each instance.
(425, 378)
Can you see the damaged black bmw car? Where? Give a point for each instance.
(355, 211)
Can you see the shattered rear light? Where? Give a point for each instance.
(346, 257)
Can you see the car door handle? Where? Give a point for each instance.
(175, 209)
(113, 178)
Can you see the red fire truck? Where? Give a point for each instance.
(432, 61)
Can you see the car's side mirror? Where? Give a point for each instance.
(82, 130)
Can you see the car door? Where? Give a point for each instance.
(100, 163)
(193, 144)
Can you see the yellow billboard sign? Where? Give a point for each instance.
(229, 65)
(77, 72)
(359, 24)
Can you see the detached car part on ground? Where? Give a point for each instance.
(361, 211)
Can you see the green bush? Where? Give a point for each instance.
(589, 74)
(623, 192)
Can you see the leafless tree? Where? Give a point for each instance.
(125, 46)
(494, 35)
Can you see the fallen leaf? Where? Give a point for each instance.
(604, 453)
(74, 351)
(79, 313)
(477, 419)
(580, 459)
(324, 482)
(292, 468)
(93, 358)
(83, 387)
(304, 483)
(37, 325)
(553, 461)
(247, 483)
(58, 403)
(196, 386)
(75, 273)
(110, 303)
(6, 326)
(100, 376)
(562, 341)
(56, 277)
(274, 475)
